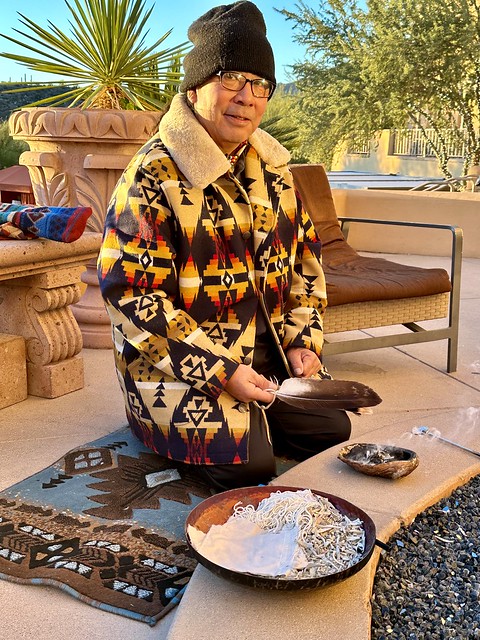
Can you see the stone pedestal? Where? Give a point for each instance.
(13, 381)
(90, 313)
(39, 280)
(55, 378)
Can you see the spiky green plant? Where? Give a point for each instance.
(104, 61)
(281, 130)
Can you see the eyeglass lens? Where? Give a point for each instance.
(261, 88)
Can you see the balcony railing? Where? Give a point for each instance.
(411, 142)
(359, 148)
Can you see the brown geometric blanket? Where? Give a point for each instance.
(106, 524)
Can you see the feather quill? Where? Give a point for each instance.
(316, 393)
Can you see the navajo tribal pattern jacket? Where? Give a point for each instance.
(189, 253)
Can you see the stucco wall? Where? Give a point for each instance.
(380, 160)
(460, 209)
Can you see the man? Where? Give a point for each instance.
(210, 270)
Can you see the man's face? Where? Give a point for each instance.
(230, 117)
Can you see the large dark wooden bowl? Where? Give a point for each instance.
(218, 508)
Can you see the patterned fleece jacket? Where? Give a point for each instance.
(190, 253)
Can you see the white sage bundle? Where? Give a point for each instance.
(289, 535)
(327, 539)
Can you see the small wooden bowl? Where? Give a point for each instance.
(379, 459)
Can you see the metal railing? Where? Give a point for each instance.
(411, 142)
(359, 148)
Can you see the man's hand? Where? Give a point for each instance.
(303, 362)
(247, 385)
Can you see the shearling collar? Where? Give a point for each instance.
(181, 133)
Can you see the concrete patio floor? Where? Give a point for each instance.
(416, 390)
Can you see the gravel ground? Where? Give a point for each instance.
(427, 586)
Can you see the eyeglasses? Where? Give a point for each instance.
(233, 81)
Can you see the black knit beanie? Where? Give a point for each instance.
(232, 37)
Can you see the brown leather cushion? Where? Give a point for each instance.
(351, 277)
(313, 187)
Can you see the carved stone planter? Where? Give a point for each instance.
(76, 158)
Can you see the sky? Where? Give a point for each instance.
(167, 14)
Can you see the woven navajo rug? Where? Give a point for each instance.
(106, 524)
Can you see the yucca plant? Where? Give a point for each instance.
(104, 62)
(283, 131)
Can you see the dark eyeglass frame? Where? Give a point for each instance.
(254, 84)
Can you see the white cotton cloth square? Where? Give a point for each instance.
(241, 545)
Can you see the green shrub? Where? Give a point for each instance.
(10, 149)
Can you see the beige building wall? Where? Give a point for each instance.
(380, 160)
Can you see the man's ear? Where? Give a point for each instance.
(192, 95)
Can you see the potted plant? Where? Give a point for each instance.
(81, 139)
(115, 87)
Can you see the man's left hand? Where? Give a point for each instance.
(303, 362)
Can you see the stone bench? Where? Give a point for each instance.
(39, 280)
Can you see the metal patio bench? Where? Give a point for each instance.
(365, 292)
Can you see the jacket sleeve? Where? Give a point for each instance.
(138, 281)
(308, 297)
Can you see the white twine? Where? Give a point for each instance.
(328, 539)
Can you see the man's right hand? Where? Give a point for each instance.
(247, 385)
